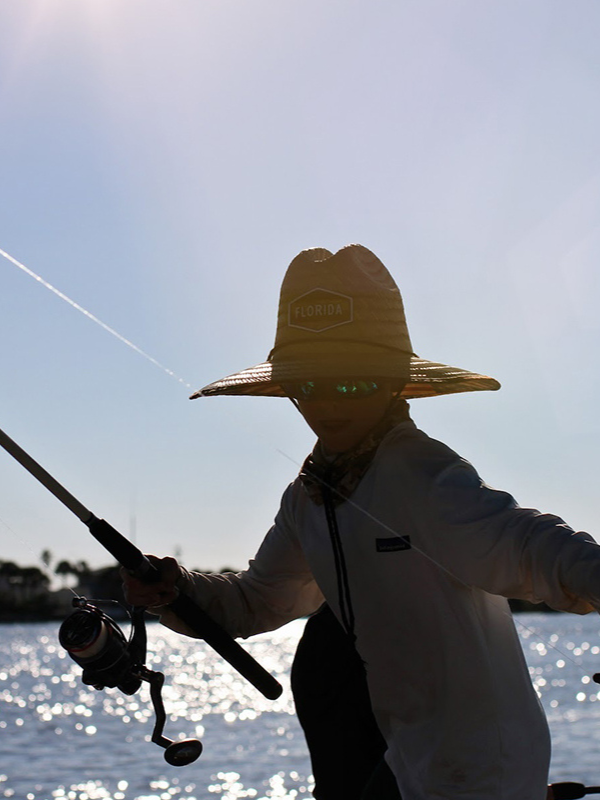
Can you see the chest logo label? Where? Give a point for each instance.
(393, 545)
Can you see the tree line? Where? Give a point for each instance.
(30, 592)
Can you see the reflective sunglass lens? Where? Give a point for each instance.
(306, 390)
(350, 389)
(356, 388)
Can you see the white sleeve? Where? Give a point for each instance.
(483, 538)
(277, 587)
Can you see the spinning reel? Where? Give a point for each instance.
(97, 643)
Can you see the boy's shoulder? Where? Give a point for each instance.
(409, 446)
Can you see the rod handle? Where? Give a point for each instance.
(568, 790)
(124, 551)
(226, 646)
(132, 558)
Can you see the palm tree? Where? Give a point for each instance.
(64, 569)
(46, 558)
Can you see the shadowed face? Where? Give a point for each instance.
(343, 422)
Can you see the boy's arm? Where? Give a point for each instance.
(276, 588)
(483, 538)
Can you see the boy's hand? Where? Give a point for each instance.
(160, 592)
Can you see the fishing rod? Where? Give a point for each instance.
(94, 640)
(569, 790)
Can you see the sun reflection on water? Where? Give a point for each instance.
(81, 744)
(62, 740)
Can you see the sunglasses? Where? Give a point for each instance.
(353, 389)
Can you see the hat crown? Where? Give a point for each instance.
(341, 315)
(348, 299)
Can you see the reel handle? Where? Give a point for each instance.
(179, 753)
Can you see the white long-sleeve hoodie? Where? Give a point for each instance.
(431, 552)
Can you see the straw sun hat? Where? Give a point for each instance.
(341, 316)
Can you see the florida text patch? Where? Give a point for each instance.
(320, 310)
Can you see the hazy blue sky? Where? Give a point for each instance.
(164, 160)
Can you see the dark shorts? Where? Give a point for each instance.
(333, 706)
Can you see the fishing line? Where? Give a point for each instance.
(93, 318)
(28, 546)
(19, 538)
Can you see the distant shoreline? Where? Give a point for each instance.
(26, 593)
(32, 616)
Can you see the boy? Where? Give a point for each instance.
(413, 553)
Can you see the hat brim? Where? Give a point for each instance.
(425, 379)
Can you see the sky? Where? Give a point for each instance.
(162, 163)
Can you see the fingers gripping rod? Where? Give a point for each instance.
(132, 558)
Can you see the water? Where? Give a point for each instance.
(60, 740)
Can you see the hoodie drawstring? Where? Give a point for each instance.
(346, 610)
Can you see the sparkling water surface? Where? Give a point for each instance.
(61, 740)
